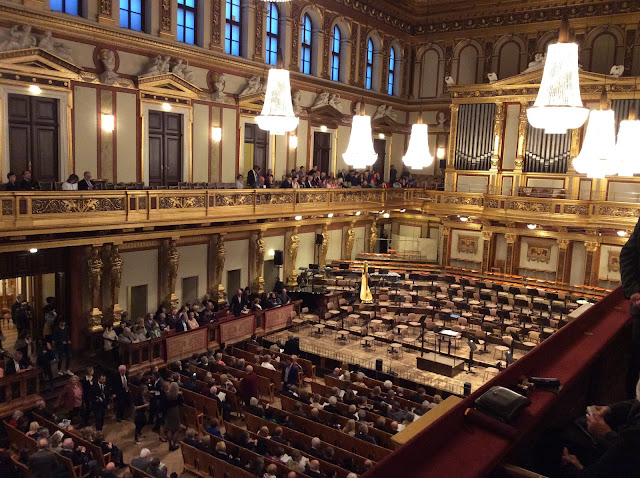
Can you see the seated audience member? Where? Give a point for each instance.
(294, 462)
(220, 452)
(11, 184)
(274, 300)
(363, 434)
(350, 428)
(254, 408)
(42, 410)
(28, 183)
(109, 471)
(71, 184)
(315, 449)
(213, 428)
(255, 466)
(143, 461)
(271, 471)
(43, 463)
(331, 406)
(284, 298)
(277, 436)
(191, 438)
(18, 363)
(239, 182)
(313, 469)
(79, 457)
(266, 362)
(86, 184)
(108, 447)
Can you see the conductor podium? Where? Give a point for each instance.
(440, 364)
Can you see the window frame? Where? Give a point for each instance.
(304, 46)
(271, 57)
(63, 8)
(368, 77)
(233, 25)
(336, 49)
(391, 79)
(129, 12)
(187, 9)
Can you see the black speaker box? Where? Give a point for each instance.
(277, 258)
(319, 239)
(378, 365)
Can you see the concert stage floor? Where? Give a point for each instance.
(405, 365)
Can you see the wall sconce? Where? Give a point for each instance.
(293, 141)
(622, 233)
(381, 136)
(271, 253)
(166, 106)
(532, 226)
(108, 123)
(35, 90)
(323, 128)
(216, 134)
(440, 152)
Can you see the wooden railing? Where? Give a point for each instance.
(19, 391)
(143, 354)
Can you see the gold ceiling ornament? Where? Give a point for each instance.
(558, 106)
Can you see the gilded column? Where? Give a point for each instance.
(115, 274)
(328, 38)
(295, 37)
(451, 158)
(373, 235)
(511, 253)
(216, 27)
(487, 247)
(169, 274)
(216, 258)
(258, 249)
(498, 140)
(292, 248)
(561, 268)
(572, 176)
(324, 247)
(523, 124)
(591, 263)
(261, 9)
(94, 269)
(166, 20)
(444, 252)
(106, 12)
(350, 239)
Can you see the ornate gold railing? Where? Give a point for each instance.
(63, 211)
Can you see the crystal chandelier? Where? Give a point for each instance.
(418, 154)
(596, 157)
(558, 106)
(360, 153)
(277, 115)
(628, 145)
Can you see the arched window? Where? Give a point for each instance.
(369, 72)
(306, 49)
(232, 28)
(335, 55)
(273, 34)
(392, 71)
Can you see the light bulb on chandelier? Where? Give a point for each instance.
(558, 106)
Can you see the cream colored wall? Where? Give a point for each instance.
(544, 266)
(603, 271)
(334, 252)
(193, 262)
(306, 250)
(500, 248)
(280, 153)
(544, 183)
(409, 231)
(303, 144)
(344, 132)
(466, 256)
(229, 146)
(237, 257)
(140, 268)
(472, 184)
(272, 244)
(85, 130)
(510, 144)
(126, 131)
(578, 256)
(48, 286)
(359, 244)
(201, 135)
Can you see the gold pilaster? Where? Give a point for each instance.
(257, 251)
(487, 247)
(106, 13)
(498, 139)
(449, 173)
(166, 20)
(216, 257)
(94, 276)
(324, 247)
(373, 235)
(561, 268)
(350, 239)
(444, 252)
(591, 262)
(512, 252)
(293, 242)
(115, 274)
(523, 124)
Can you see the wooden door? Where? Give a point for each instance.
(34, 136)
(321, 151)
(138, 301)
(380, 147)
(165, 148)
(258, 142)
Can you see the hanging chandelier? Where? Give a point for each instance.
(596, 157)
(418, 154)
(558, 106)
(628, 145)
(277, 115)
(360, 153)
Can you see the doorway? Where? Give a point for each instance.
(190, 290)
(380, 147)
(233, 282)
(33, 136)
(271, 275)
(256, 146)
(321, 151)
(165, 148)
(138, 301)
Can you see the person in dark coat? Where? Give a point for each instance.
(237, 303)
(43, 463)
(292, 346)
(630, 277)
(249, 385)
(289, 375)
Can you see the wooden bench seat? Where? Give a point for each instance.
(205, 465)
(308, 367)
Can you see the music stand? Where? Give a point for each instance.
(472, 348)
(509, 358)
(423, 319)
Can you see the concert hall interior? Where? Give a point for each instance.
(329, 239)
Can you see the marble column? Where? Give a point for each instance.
(292, 244)
(216, 254)
(512, 253)
(94, 282)
(591, 262)
(561, 267)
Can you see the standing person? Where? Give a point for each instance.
(253, 177)
(249, 385)
(71, 397)
(120, 388)
(630, 276)
(62, 343)
(289, 375)
(15, 308)
(88, 399)
(393, 174)
(101, 393)
(140, 407)
(50, 315)
(45, 359)
(237, 303)
(172, 415)
(22, 319)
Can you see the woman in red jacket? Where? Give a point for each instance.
(71, 397)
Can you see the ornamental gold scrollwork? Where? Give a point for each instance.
(105, 7)
(165, 16)
(528, 206)
(271, 198)
(234, 200)
(115, 274)
(219, 252)
(294, 243)
(260, 248)
(619, 211)
(351, 237)
(173, 262)
(7, 207)
(59, 206)
(188, 202)
(324, 247)
(94, 276)
(373, 235)
(576, 209)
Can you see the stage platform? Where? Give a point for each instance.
(440, 364)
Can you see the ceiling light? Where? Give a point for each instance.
(33, 250)
(596, 157)
(558, 106)
(277, 115)
(298, 218)
(360, 152)
(628, 145)
(386, 215)
(108, 123)
(464, 218)
(622, 233)
(35, 90)
(330, 215)
(381, 135)
(216, 134)
(293, 141)
(532, 226)
(418, 155)
(166, 106)
(323, 128)
(358, 213)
